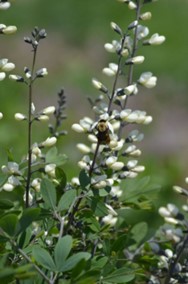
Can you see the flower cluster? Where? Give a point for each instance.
(171, 242)
(111, 151)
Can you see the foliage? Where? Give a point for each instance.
(92, 228)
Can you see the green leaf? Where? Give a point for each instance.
(43, 258)
(28, 216)
(61, 177)
(136, 189)
(98, 263)
(62, 250)
(48, 192)
(6, 272)
(84, 179)
(66, 200)
(73, 260)
(122, 275)
(3, 178)
(52, 157)
(98, 207)
(139, 231)
(8, 224)
(6, 204)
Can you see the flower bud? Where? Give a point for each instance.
(77, 127)
(4, 5)
(9, 30)
(83, 148)
(156, 39)
(19, 116)
(8, 67)
(48, 110)
(117, 166)
(41, 73)
(50, 169)
(16, 78)
(50, 141)
(146, 16)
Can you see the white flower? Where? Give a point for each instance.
(8, 67)
(142, 31)
(42, 117)
(136, 60)
(156, 39)
(171, 220)
(173, 209)
(9, 30)
(99, 86)
(146, 16)
(110, 220)
(163, 211)
(1, 115)
(110, 47)
(111, 160)
(50, 141)
(186, 180)
(111, 70)
(8, 187)
(36, 184)
(77, 127)
(132, 163)
(30, 198)
(48, 110)
(148, 120)
(20, 116)
(50, 169)
(42, 72)
(75, 181)
(83, 148)
(11, 168)
(148, 80)
(4, 6)
(116, 191)
(132, 5)
(117, 166)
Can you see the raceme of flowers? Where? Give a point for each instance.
(111, 149)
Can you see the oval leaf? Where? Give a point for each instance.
(43, 258)
(66, 200)
(73, 260)
(62, 250)
(8, 224)
(29, 215)
(122, 275)
(48, 192)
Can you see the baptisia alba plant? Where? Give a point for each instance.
(87, 229)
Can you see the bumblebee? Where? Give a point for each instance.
(103, 132)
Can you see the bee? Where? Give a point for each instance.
(103, 132)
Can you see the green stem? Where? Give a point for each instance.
(30, 130)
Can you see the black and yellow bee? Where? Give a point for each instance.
(103, 132)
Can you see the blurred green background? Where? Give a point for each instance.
(73, 53)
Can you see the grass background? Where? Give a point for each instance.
(73, 53)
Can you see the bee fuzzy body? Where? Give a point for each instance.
(103, 134)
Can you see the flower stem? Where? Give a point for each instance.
(29, 139)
